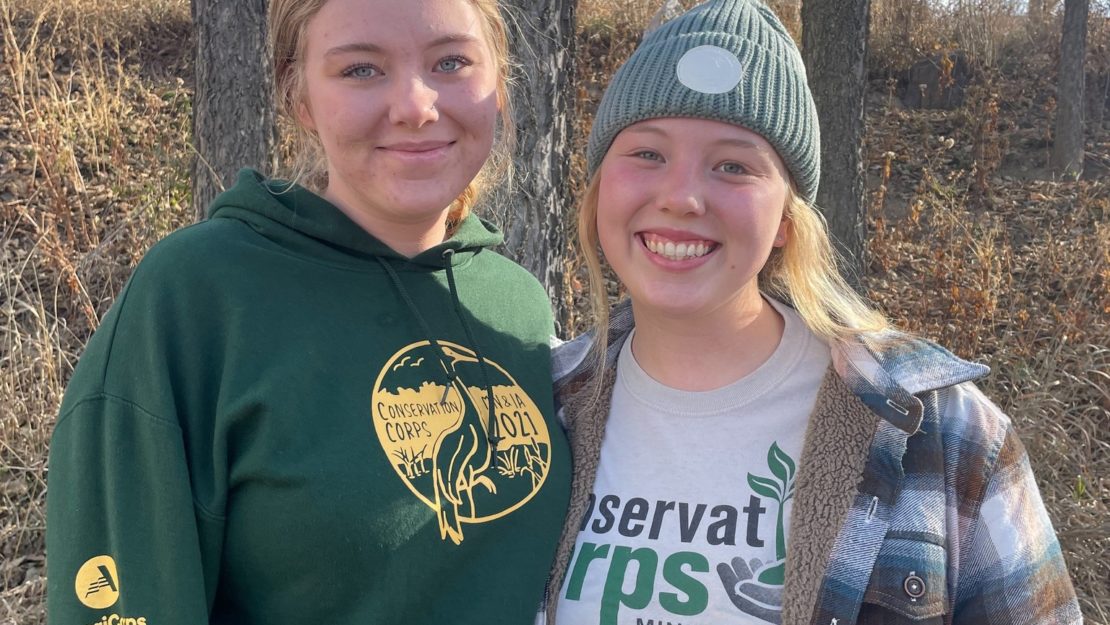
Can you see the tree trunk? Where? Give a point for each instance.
(233, 107)
(1098, 89)
(534, 206)
(1067, 151)
(834, 47)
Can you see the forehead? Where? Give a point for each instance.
(698, 130)
(393, 23)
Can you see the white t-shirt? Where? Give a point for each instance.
(688, 520)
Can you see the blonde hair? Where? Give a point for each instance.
(288, 25)
(803, 273)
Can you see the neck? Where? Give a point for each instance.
(707, 351)
(407, 238)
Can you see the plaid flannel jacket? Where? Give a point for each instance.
(944, 524)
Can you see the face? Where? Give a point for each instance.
(402, 94)
(688, 211)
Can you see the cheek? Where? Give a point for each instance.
(621, 191)
(762, 216)
(476, 108)
(342, 119)
(613, 219)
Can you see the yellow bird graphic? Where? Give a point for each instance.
(460, 456)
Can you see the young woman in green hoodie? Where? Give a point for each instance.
(329, 402)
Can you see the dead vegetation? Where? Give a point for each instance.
(94, 126)
(972, 243)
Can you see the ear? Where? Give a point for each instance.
(783, 232)
(304, 115)
(500, 93)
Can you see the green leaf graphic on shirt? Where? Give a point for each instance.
(765, 487)
(782, 466)
(781, 489)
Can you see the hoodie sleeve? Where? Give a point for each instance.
(131, 531)
(124, 536)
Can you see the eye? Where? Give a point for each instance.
(452, 64)
(361, 71)
(732, 167)
(648, 155)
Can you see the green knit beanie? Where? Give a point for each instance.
(726, 60)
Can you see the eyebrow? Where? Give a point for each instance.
(374, 49)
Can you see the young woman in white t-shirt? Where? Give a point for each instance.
(753, 443)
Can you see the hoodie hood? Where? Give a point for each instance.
(306, 223)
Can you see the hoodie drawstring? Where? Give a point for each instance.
(492, 427)
(492, 431)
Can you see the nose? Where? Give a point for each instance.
(413, 103)
(680, 191)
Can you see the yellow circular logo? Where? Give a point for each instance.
(97, 583)
(431, 413)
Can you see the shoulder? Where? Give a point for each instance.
(201, 263)
(568, 357)
(976, 437)
(508, 291)
(183, 281)
(500, 269)
(974, 429)
(196, 247)
(165, 305)
(946, 384)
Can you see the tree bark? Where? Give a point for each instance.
(534, 206)
(1098, 89)
(233, 108)
(1067, 151)
(834, 47)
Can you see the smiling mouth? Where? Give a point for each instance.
(417, 149)
(677, 250)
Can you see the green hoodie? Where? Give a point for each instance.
(282, 420)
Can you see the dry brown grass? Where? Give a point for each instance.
(93, 153)
(969, 246)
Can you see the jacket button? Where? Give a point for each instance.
(914, 586)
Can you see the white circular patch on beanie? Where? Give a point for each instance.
(709, 69)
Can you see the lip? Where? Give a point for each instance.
(417, 152)
(416, 146)
(676, 236)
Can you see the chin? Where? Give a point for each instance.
(412, 204)
(667, 302)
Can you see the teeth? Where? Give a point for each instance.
(677, 251)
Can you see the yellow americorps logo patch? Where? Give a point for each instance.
(97, 583)
(431, 416)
